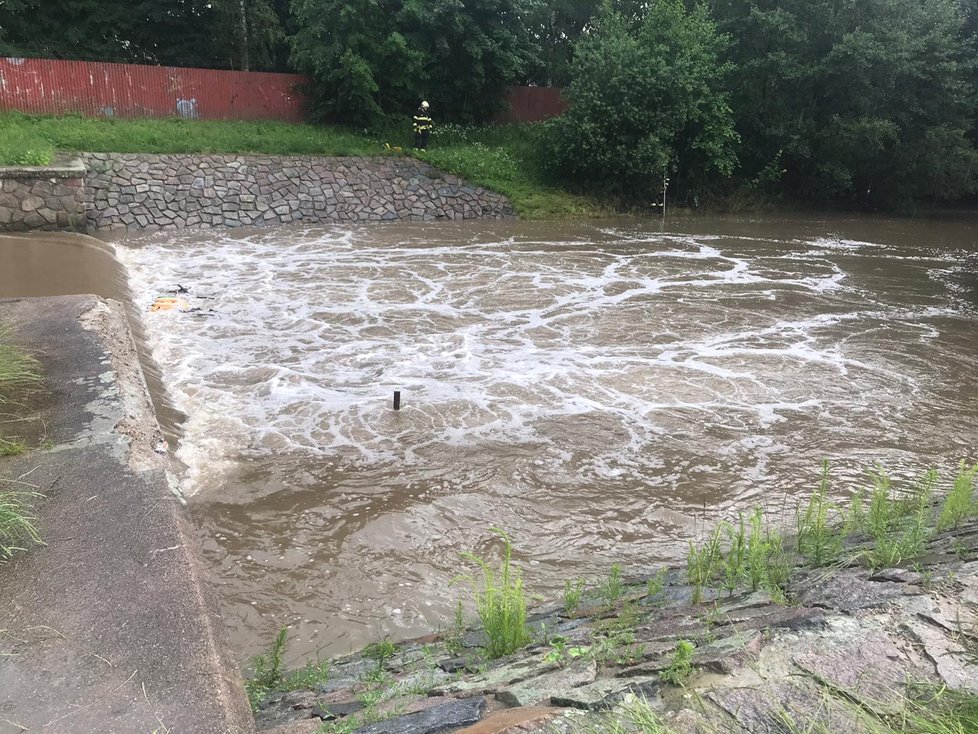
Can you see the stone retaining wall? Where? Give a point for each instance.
(45, 198)
(129, 192)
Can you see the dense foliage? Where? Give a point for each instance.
(239, 34)
(646, 103)
(862, 101)
(868, 103)
(371, 57)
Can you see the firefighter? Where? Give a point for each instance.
(422, 126)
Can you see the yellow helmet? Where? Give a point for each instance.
(424, 105)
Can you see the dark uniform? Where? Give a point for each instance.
(422, 126)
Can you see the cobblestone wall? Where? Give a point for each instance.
(50, 198)
(160, 191)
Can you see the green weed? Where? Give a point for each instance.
(734, 559)
(819, 538)
(655, 585)
(614, 588)
(18, 524)
(269, 676)
(380, 653)
(959, 502)
(681, 666)
(634, 715)
(501, 602)
(701, 564)
(573, 592)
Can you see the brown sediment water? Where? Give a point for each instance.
(604, 391)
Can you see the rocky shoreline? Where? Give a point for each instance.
(843, 646)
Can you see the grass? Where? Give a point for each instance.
(881, 528)
(500, 601)
(502, 159)
(614, 588)
(680, 668)
(573, 592)
(270, 677)
(18, 524)
(635, 715)
(505, 159)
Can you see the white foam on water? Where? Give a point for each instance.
(589, 352)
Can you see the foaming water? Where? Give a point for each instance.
(602, 392)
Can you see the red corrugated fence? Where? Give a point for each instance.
(43, 86)
(98, 89)
(532, 104)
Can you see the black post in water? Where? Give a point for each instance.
(397, 400)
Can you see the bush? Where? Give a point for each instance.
(646, 103)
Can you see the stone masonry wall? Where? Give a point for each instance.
(47, 198)
(128, 192)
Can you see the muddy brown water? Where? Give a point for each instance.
(604, 391)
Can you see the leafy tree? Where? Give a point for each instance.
(250, 31)
(860, 101)
(554, 27)
(376, 57)
(470, 50)
(646, 101)
(361, 63)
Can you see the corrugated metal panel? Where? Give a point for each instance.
(532, 104)
(42, 86)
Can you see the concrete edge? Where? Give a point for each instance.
(73, 168)
(122, 572)
(148, 453)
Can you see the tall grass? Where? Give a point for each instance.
(18, 371)
(881, 527)
(18, 524)
(500, 602)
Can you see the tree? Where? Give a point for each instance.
(251, 32)
(361, 64)
(376, 57)
(470, 51)
(646, 101)
(862, 101)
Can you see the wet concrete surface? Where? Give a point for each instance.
(108, 627)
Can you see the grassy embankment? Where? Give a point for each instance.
(17, 523)
(499, 158)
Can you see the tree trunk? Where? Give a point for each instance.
(245, 61)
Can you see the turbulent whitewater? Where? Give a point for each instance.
(601, 391)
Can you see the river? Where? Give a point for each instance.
(603, 391)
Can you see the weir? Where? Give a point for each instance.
(602, 391)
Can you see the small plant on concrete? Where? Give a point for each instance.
(501, 602)
(634, 715)
(819, 540)
(18, 525)
(573, 592)
(959, 502)
(735, 557)
(380, 653)
(18, 371)
(453, 641)
(655, 585)
(268, 670)
(614, 588)
(681, 666)
(269, 675)
(701, 564)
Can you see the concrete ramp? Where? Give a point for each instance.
(109, 627)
